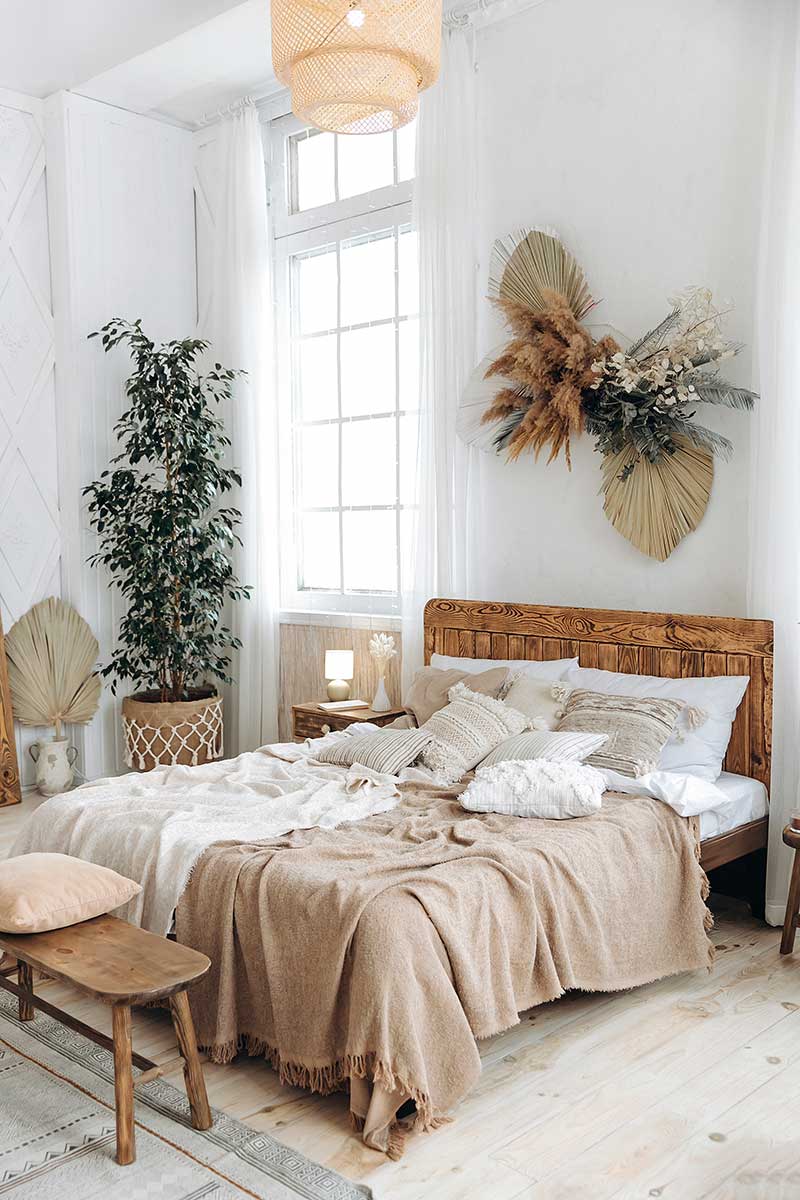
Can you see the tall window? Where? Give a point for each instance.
(347, 298)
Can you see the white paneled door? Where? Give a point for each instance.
(29, 516)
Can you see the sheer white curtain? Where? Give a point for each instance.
(774, 585)
(240, 325)
(436, 550)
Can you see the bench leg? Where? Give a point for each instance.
(25, 980)
(123, 1083)
(192, 1070)
(792, 908)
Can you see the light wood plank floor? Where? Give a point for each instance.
(687, 1089)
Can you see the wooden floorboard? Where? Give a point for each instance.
(685, 1089)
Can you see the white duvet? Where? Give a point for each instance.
(154, 827)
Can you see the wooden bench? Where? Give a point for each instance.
(121, 965)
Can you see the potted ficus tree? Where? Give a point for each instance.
(166, 538)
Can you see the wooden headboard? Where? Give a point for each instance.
(643, 643)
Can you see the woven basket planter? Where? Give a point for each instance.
(186, 733)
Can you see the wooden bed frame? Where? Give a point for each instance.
(642, 643)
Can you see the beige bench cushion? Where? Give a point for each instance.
(50, 891)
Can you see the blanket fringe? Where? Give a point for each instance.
(705, 892)
(334, 1077)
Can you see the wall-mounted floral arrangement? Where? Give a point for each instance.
(555, 380)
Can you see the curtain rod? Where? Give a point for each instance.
(478, 12)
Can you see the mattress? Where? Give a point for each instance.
(747, 801)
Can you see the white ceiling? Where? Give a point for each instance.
(178, 58)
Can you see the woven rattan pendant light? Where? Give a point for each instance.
(356, 66)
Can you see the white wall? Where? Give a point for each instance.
(635, 129)
(122, 240)
(30, 543)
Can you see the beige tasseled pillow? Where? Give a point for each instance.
(51, 891)
(430, 688)
(637, 727)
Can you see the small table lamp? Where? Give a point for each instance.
(338, 669)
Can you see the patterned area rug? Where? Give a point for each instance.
(57, 1133)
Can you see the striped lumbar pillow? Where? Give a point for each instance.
(388, 751)
(554, 747)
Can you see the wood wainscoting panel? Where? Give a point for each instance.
(303, 666)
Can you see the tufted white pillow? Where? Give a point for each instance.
(535, 788)
(465, 730)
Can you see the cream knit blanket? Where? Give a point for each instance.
(154, 827)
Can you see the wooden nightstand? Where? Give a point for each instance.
(311, 721)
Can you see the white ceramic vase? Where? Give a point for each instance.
(54, 758)
(381, 701)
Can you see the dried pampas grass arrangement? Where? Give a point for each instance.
(554, 380)
(51, 653)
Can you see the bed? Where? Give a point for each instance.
(372, 956)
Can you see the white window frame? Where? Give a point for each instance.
(380, 209)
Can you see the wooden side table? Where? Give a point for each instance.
(791, 837)
(311, 721)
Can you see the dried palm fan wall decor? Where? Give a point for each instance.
(555, 379)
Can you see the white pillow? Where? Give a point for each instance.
(464, 732)
(542, 702)
(535, 789)
(687, 794)
(555, 747)
(554, 668)
(690, 751)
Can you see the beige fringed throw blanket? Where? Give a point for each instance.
(374, 955)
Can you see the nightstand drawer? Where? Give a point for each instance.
(311, 721)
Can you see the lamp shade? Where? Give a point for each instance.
(356, 66)
(338, 664)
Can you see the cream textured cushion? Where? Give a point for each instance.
(535, 789)
(542, 702)
(50, 891)
(696, 746)
(548, 744)
(466, 730)
(430, 688)
(637, 726)
(387, 751)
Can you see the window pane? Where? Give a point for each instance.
(369, 462)
(406, 149)
(409, 274)
(314, 167)
(319, 466)
(409, 364)
(319, 551)
(370, 551)
(365, 163)
(316, 367)
(367, 280)
(409, 430)
(368, 375)
(315, 278)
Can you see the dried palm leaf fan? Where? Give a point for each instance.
(51, 652)
(356, 66)
(528, 264)
(658, 503)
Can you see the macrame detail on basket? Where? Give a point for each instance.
(149, 742)
(558, 378)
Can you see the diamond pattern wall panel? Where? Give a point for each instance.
(29, 515)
